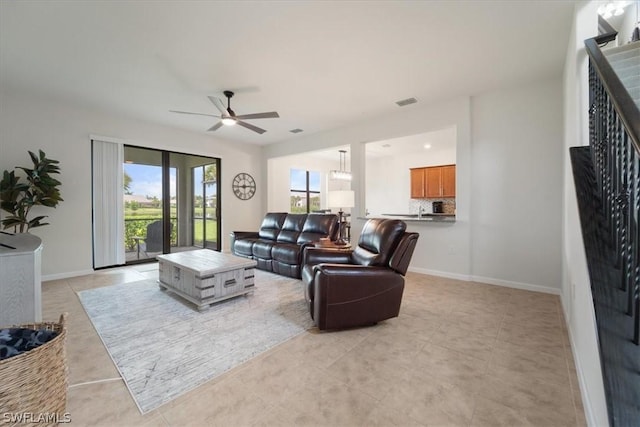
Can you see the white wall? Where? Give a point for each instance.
(629, 22)
(32, 122)
(516, 195)
(577, 299)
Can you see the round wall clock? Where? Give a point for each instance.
(244, 186)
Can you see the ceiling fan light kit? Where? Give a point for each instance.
(228, 117)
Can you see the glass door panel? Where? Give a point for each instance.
(198, 207)
(173, 207)
(205, 205)
(188, 212)
(143, 216)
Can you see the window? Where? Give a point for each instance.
(305, 191)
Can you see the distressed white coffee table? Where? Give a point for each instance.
(204, 277)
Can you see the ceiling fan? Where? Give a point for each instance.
(229, 118)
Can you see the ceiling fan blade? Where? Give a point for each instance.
(219, 105)
(196, 114)
(215, 127)
(269, 115)
(250, 127)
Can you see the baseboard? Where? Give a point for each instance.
(584, 393)
(517, 285)
(439, 273)
(66, 275)
(487, 280)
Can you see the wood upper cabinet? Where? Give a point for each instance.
(417, 183)
(433, 182)
(449, 181)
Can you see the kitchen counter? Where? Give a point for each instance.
(414, 217)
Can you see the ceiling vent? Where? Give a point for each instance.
(296, 130)
(407, 101)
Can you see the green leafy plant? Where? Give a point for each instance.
(40, 189)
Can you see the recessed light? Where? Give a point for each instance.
(427, 146)
(296, 130)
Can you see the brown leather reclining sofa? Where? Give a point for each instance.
(279, 244)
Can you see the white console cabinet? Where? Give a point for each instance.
(20, 287)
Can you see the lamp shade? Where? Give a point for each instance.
(341, 199)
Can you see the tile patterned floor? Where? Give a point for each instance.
(460, 354)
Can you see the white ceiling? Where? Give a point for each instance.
(320, 64)
(443, 139)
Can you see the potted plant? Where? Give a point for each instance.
(40, 189)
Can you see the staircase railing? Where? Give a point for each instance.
(609, 198)
(614, 122)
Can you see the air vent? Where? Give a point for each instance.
(407, 101)
(296, 130)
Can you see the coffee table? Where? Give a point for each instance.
(204, 277)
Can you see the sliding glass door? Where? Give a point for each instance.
(168, 207)
(205, 205)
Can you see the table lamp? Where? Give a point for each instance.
(341, 199)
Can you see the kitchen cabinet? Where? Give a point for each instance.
(418, 183)
(448, 181)
(433, 182)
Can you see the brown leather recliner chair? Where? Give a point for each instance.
(360, 287)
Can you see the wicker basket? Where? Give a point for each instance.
(33, 385)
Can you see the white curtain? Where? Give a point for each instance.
(108, 204)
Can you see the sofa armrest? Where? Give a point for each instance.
(313, 256)
(351, 274)
(236, 235)
(244, 234)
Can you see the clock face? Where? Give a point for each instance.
(244, 186)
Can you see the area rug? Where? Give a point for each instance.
(163, 347)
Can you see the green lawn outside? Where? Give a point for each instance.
(146, 212)
(212, 230)
(136, 221)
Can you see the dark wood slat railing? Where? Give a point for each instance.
(609, 187)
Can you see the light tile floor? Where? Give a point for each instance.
(459, 354)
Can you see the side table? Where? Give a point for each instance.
(333, 247)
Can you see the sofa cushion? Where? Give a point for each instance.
(378, 240)
(317, 226)
(271, 225)
(262, 248)
(291, 228)
(288, 253)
